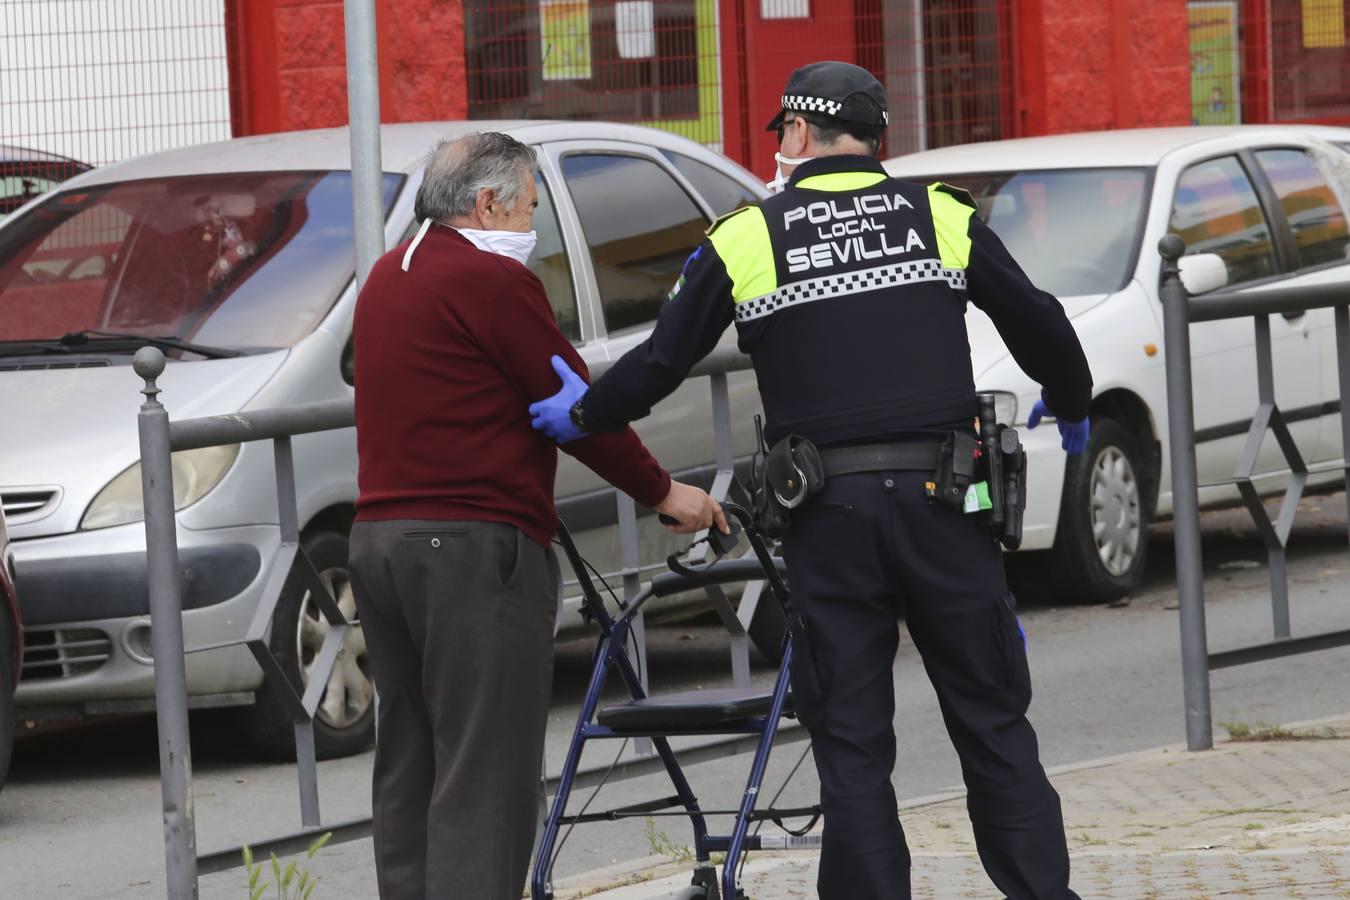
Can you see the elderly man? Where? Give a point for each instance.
(455, 581)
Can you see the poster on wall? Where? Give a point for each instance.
(565, 39)
(1215, 88)
(1323, 24)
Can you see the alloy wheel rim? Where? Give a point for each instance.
(350, 691)
(1117, 527)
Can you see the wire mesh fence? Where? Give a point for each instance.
(103, 80)
(713, 71)
(1256, 61)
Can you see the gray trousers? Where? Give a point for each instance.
(458, 620)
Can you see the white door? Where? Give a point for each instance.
(1216, 209)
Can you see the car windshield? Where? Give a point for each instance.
(1073, 231)
(249, 261)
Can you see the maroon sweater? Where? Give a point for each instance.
(448, 356)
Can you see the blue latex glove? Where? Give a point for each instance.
(553, 416)
(1073, 436)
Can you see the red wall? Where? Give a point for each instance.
(291, 72)
(1086, 65)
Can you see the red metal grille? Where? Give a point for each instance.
(713, 69)
(1269, 61)
(1309, 60)
(101, 80)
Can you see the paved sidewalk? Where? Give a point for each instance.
(1266, 818)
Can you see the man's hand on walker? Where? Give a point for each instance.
(692, 509)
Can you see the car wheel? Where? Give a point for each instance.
(344, 723)
(1102, 541)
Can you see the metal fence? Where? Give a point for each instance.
(1180, 311)
(708, 69)
(1259, 61)
(102, 80)
(160, 437)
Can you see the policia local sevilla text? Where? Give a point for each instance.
(852, 219)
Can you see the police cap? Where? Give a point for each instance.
(839, 90)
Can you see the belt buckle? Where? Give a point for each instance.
(797, 498)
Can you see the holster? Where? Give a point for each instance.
(955, 471)
(1004, 465)
(790, 474)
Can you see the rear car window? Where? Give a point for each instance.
(640, 226)
(723, 193)
(1310, 205)
(1216, 211)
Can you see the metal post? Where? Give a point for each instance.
(736, 622)
(363, 114)
(166, 634)
(630, 564)
(1343, 373)
(1185, 498)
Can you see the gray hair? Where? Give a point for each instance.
(458, 170)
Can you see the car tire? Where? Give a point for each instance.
(7, 713)
(344, 723)
(1102, 542)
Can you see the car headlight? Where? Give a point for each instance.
(1005, 406)
(195, 472)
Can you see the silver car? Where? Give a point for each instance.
(244, 249)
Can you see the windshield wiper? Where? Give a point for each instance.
(81, 338)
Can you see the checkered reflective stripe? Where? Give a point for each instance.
(803, 103)
(849, 283)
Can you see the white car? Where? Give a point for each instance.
(1083, 214)
(245, 248)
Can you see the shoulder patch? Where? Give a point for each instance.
(720, 220)
(961, 194)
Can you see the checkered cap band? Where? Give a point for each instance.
(846, 283)
(803, 103)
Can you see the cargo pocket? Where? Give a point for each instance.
(808, 699)
(1013, 649)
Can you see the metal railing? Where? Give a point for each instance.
(160, 437)
(1180, 310)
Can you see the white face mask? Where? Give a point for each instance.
(517, 245)
(779, 179)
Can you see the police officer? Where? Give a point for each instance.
(848, 289)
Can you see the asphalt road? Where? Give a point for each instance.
(80, 816)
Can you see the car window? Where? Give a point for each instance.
(549, 262)
(246, 260)
(723, 193)
(1315, 215)
(640, 226)
(1216, 211)
(1074, 231)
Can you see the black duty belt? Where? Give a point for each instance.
(915, 457)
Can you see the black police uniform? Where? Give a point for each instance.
(848, 291)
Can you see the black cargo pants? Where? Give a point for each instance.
(458, 620)
(868, 549)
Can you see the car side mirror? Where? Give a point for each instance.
(1202, 273)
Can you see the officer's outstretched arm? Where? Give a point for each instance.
(1031, 322)
(696, 312)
